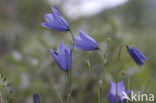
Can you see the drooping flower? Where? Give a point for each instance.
(55, 21)
(137, 56)
(62, 57)
(84, 42)
(121, 90)
(36, 98)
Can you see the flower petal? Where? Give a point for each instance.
(112, 88)
(67, 60)
(111, 98)
(49, 17)
(55, 12)
(61, 48)
(112, 93)
(121, 88)
(57, 59)
(63, 22)
(59, 19)
(139, 54)
(69, 56)
(54, 26)
(46, 25)
(85, 37)
(84, 42)
(83, 45)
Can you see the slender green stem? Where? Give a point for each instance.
(148, 83)
(89, 74)
(99, 96)
(101, 90)
(1, 98)
(72, 34)
(70, 71)
(84, 88)
(123, 45)
(104, 55)
(60, 99)
(69, 93)
(128, 84)
(103, 72)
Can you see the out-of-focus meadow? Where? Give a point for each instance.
(27, 65)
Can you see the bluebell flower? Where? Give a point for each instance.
(36, 98)
(62, 57)
(84, 42)
(137, 56)
(55, 21)
(112, 92)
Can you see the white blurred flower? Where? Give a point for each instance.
(17, 55)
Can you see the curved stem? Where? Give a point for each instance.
(121, 46)
(72, 38)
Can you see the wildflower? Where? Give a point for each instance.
(62, 57)
(112, 92)
(55, 21)
(36, 98)
(137, 56)
(84, 42)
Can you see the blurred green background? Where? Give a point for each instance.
(27, 65)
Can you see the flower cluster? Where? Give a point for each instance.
(84, 42)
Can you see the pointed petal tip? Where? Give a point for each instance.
(61, 45)
(121, 82)
(42, 24)
(111, 83)
(140, 65)
(145, 58)
(80, 30)
(53, 8)
(70, 47)
(51, 50)
(45, 25)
